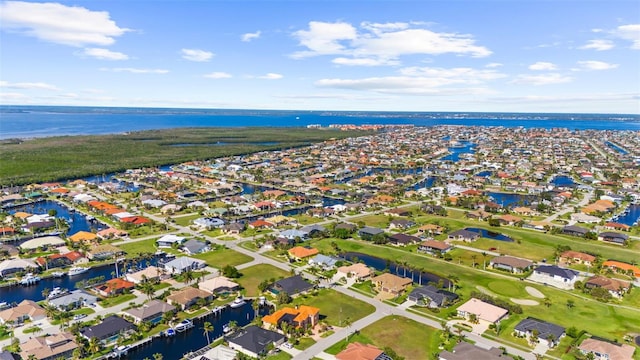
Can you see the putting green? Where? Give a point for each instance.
(507, 288)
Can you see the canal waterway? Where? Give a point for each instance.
(382, 264)
(630, 217)
(490, 234)
(617, 148)
(77, 221)
(509, 199)
(466, 147)
(563, 180)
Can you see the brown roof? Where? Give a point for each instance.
(434, 244)
(358, 351)
(570, 254)
(393, 282)
(608, 283)
(512, 261)
(615, 351)
(187, 294)
(48, 347)
(25, 308)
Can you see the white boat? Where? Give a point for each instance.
(4, 305)
(29, 279)
(238, 302)
(226, 328)
(77, 270)
(263, 301)
(57, 292)
(183, 325)
(170, 332)
(58, 274)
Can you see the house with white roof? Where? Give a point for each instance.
(181, 264)
(168, 240)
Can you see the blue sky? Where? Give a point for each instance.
(524, 56)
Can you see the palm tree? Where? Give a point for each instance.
(547, 302)
(207, 327)
(94, 345)
(347, 325)
(65, 317)
(46, 291)
(157, 356)
(188, 275)
(256, 306)
(473, 257)
(147, 289)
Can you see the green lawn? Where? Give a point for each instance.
(406, 337)
(304, 343)
(186, 220)
(254, 275)
(379, 221)
(335, 307)
(108, 302)
(222, 257)
(136, 248)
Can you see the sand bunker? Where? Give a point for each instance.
(525, 302)
(534, 292)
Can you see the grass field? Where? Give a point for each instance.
(335, 307)
(68, 157)
(254, 275)
(222, 257)
(406, 337)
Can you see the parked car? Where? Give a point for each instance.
(288, 345)
(79, 316)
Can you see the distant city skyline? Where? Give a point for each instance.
(484, 56)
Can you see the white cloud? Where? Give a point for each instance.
(598, 45)
(543, 66)
(251, 36)
(137, 70)
(271, 76)
(629, 32)
(381, 43)
(544, 79)
(105, 54)
(596, 65)
(60, 24)
(493, 65)
(28, 85)
(218, 75)
(196, 55)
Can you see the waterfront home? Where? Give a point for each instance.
(389, 283)
(403, 239)
(261, 224)
(511, 264)
(188, 296)
(434, 247)
(554, 276)
(255, 341)
(208, 223)
(368, 233)
(114, 286)
(606, 350)
(218, 285)
(233, 228)
(479, 215)
(193, 247)
(43, 242)
(585, 219)
(151, 311)
(12, 266)
(110, 233)
(151, 273)
(292, 285)
(576, 257)
(621, 267)
(168, 240)
(464, 235)
(73, 300)
(483, 311)
(83, 236)
(300, 252)
(302, 316)
(314, 230)
(617, 288)
(323, 261)
(103, 252)
(431, 297)
(25, 310)
(358, 271)
(401, 224)
(108, 330)
(613, 237)
(575, 230)
(358, 351)
(545, 332)
(183, 263)
(465, 351)
(294, 234)
(58, 346)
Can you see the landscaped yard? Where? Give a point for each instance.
(186, 220)
(113, 301)
(222, 257)
(335, 307)
(406, 337)
(254, 275)
(136, 248)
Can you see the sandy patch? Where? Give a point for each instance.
(525, 302)
(534, 292)
(485, 291)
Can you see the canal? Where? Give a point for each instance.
(563, 180)
(466, 147)
(490, 234)
(508, 199)
(630, 216)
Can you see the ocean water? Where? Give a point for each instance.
(42, 121)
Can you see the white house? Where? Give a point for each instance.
(168, 240)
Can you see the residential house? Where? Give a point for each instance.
(73, 300)
(255, 341)
(554, 276)
(260, 224)
(294, 234)
(403, 239)
(168, 240)
(104, 251)
(25, 310)
(12, 266)
(151, 311)
(397, 212)
(402, 224)
(431, 297)
(434, 247)
(358, 271)
(58, 346)
(466, 351)
(108, 330)
(300, 252)
(218, 285)
(188, 296)
(194, 247)
(479, 215)
(390, 283)
(430, 229)
(482, 310)
(183, 263)
(83, 236)
(208, 223)
(150, 273)
(234, 228)
(358, 351)
(617, 288)
(613, 237)
(301, 316)
(324, 261)
(606, 350)
(625, 268)
(616, 226)
(292, 285)
(464, 235)
(368, 233)
(576, 257)
(574, 230)
(314, 230)
(114, 286)
(545, 331)
(43, 242)
(511, 264)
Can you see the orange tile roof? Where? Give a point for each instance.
(358, 351)
(83, 236)
(302, 313)
(302, 252)
(622, 266)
